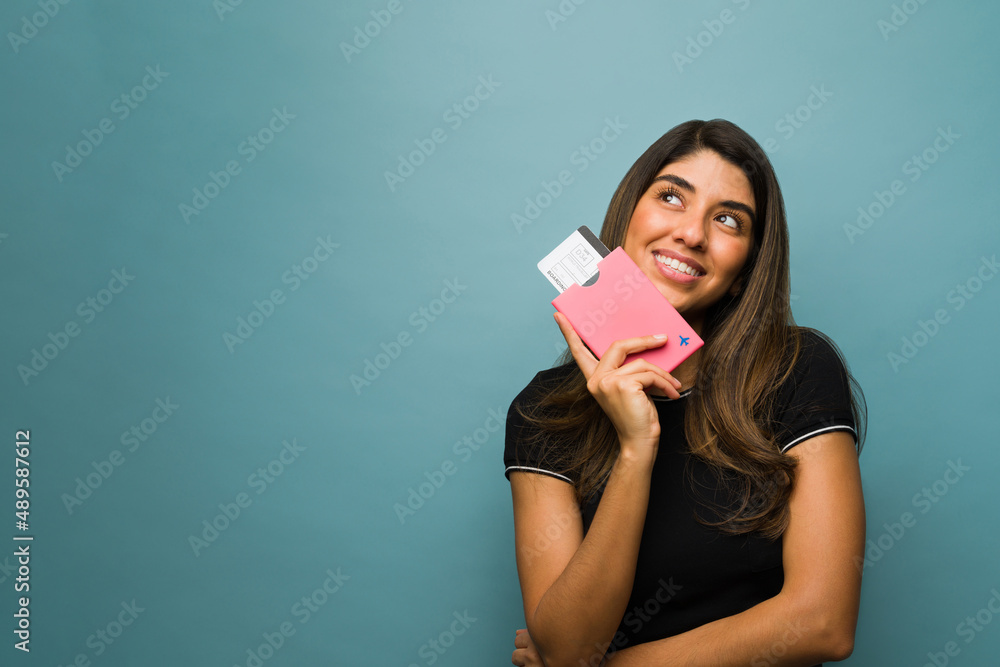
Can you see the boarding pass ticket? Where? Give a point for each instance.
(574, 261)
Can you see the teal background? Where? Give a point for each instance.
(367, 447)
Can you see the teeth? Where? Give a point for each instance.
(678, 266)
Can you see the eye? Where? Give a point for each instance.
(734, 218)
(665, 193)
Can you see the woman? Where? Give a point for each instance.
(712, 515)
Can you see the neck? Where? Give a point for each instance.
(688, 371)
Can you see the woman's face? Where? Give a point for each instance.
(698, 211)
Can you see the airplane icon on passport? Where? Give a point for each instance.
(684, 341)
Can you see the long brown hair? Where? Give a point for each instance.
(751, 345)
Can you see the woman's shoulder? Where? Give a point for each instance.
(543, 382)
(817, 395)
(818, 355)
(527, 447)
(813, 336)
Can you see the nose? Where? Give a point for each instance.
(690, 228)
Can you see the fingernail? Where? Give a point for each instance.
(660, 336)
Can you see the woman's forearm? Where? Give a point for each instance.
(777, 631)
(578, 616)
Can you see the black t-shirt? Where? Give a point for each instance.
(688, 574)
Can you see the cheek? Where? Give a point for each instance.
(633, 239)
(638, 231)
(732, 255)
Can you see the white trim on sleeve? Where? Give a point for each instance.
(841, 427)
(538, 470)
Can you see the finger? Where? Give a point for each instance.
(652, 378)
(664, 387)
(650, 381)
(620, 349)
(638, 364)
(585, 359)
(656, 391)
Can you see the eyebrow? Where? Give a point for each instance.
(686, 185)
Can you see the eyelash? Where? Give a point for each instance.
(669, 190)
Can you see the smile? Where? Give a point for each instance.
(677, 265)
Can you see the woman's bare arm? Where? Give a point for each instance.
(813, 618)
(575, 589)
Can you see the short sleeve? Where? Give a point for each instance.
(816, 398)
(524, 450)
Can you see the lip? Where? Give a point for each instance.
(677, 275)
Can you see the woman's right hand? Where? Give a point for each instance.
(621, 390)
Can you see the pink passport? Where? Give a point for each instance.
(623, 303)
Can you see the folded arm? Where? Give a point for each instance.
(575, 588)
(813, 618)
